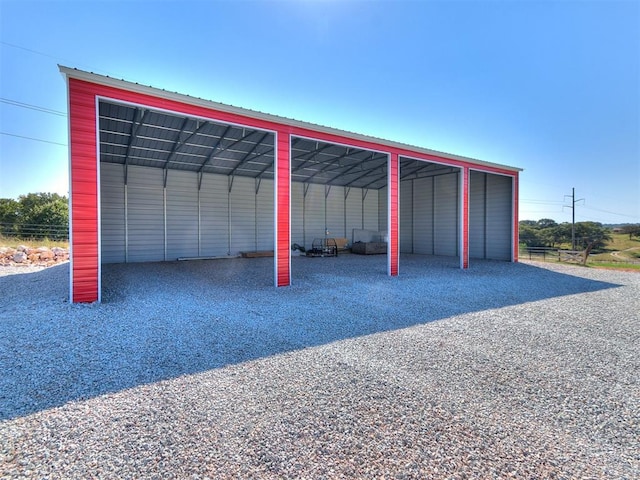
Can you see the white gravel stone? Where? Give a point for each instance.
(204, 370)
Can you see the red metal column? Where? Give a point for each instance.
(464, 218)
(394, 201)
(283, 209)
(516, 230)
(83, 197)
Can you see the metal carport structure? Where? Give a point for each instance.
(148, 167)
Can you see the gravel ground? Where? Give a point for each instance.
(204, 370)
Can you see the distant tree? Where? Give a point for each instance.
(36, 215)
(530, 234)
(546, 223)
(9, 214)
(632, 230)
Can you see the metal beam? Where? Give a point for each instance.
(382, 177)
(368, 172)
(135, 126)
(249, 153)
(214, 148)
(175, 147)
(332, 164)
(180, 143)
(312, 153)
(436, 170)
(364, 160)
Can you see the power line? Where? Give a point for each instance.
(54, 57)
(32, 107)
(34, 139)
(612, 213)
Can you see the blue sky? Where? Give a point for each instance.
(552, 87)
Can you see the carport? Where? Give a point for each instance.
(158, 176)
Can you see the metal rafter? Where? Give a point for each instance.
(376, 180)
(332, 162)
(214, 148)
(435, 170)
(360, 164)
(176, 145)
(249, 153)
(240, 140)
(311, 153)
(135, 127)
(369, 172)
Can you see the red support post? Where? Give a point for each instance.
(283, 209)
(464, 219)
(83, 194)
(516, 229)
(393, 212)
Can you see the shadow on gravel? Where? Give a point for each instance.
(162, 320)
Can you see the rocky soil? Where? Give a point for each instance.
(40, 256)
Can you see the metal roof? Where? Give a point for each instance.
(134, 135)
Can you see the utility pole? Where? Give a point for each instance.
(573, 216)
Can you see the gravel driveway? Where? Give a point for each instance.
(204, 370)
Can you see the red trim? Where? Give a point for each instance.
(83, 193)
(283, 213)
(394, 203)
(516, 226)
(464, 254)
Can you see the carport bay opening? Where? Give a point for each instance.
(173, 184)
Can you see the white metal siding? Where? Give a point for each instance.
(182, 214)
(112, 213)
(477, 211)
(370, 210)
(422, 218)
(314, 214)
(383, 202)
(445, 218)
(146, 214)
(406, 216)
(214, 216)
(297, 213)
(335, 211)
(243, 215)
(499, 219)
(354, 211)
(264, 211)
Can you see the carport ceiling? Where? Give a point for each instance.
(131, 135)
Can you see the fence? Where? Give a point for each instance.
(35, 231)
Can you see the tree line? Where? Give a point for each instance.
(588, 235)
(35, 215)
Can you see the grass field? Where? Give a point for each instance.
(621, 252)
(13, 242)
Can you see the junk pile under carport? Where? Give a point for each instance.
(369, 242)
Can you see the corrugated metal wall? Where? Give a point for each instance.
(477, 210)
(145, 213)
(328, 208)
(490, 222)
(242, 206)
(499, 220)
(233, 216)
(446, 213)
(182, 214)
(214, 216)
(422, 216)
(242, 219)
(383, 203)
(113, 211)
(406, 217)
(429, 215)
